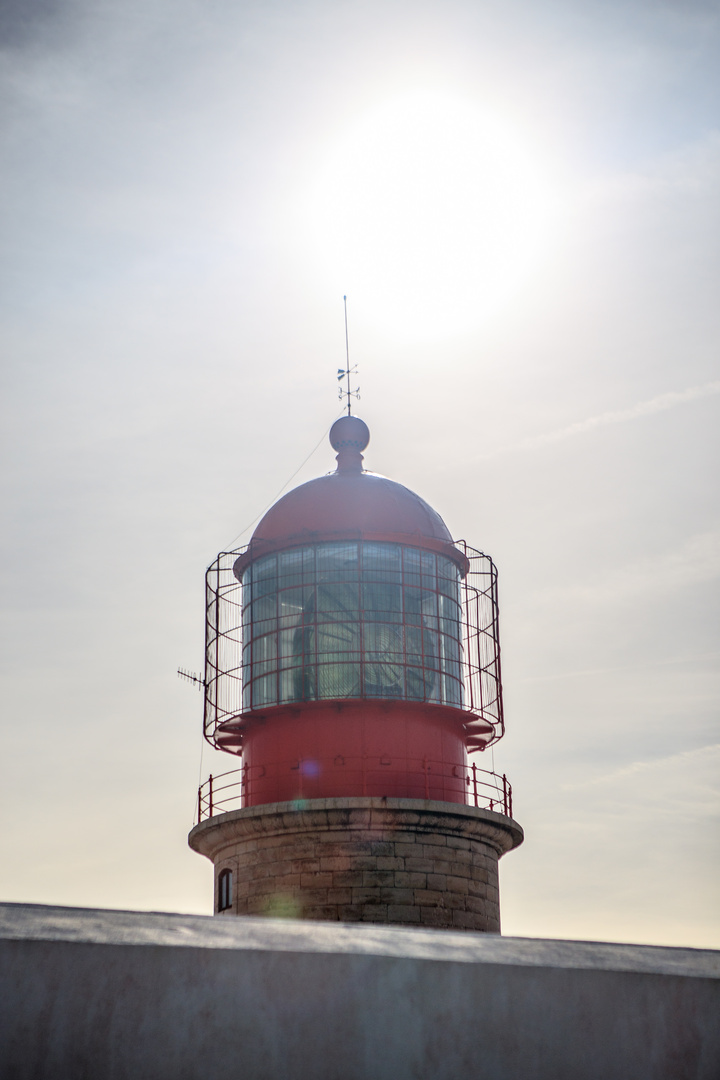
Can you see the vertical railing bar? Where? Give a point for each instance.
(217, 642)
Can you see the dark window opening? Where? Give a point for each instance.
(225, 890)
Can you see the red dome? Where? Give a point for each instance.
(350, 504)
(346, 503)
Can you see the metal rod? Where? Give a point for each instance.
(217, 631)
(347, 355)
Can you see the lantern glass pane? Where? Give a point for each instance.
(352, 620)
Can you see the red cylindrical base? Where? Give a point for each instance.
(329, 749)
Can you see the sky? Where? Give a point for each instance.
(521, 202)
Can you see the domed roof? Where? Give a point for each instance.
(351, 504)
(348, 503)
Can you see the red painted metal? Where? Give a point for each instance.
(348, 500)
(359, 731)
(349, 504)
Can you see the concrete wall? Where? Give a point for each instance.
(96, 994)
(361, 859)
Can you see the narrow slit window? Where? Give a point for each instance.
(225, 884)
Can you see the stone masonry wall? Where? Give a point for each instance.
(363, 860)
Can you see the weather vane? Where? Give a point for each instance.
(346, 372)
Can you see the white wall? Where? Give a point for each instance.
(121, 994)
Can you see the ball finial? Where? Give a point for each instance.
(349, 436)
(349, 433)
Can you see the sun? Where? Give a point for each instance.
(431, 211)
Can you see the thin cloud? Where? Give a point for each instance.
(695, 562)
(662, 662)
(618, 416)
(673, 762)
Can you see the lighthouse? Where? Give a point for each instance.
(353, 666)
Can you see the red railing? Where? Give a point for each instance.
(234, 789)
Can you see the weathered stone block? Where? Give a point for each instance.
(403, 913)
(457, 884)
(397, 896)
(475, 904)
(406, 879)
(335, 862)
(428, 898)
(378, 877)
(434, 839)
(320, 911)
(350, 912)
(389, 862)
(316, 881)
(465, 920)
(375, 913)
(459, 844)
(348, 878)
(339, 896)
(365, 862)
(421, 865)
(366, 896)
(455, 901)
(381, 847)
(405, 848)
(433, 916)
(313, 896)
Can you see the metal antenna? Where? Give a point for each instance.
(346, 372)
(191, 677)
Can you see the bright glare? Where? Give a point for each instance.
(431, 212)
